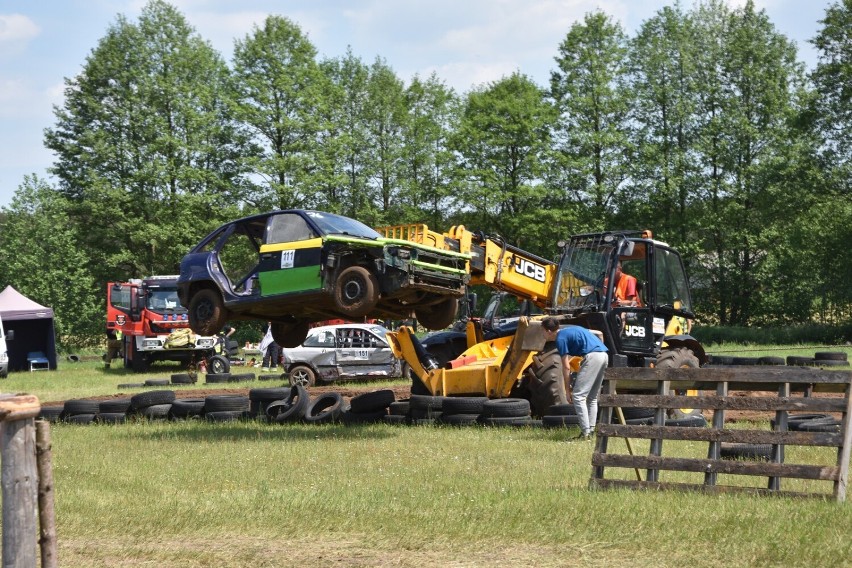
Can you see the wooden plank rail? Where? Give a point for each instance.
(779, 392)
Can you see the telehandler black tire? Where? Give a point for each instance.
(546, 382)
(680, 358)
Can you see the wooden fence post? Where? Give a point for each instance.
(18, 476)
(45, 495)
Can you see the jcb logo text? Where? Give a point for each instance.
(634, 331)
(530, 269)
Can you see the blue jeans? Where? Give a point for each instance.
(587, 387)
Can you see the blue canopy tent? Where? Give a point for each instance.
(34, 345)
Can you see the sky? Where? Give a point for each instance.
(466, 43)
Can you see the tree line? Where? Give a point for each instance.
(703, 127)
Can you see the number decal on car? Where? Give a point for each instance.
(287, 258)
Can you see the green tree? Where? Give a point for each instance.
(428, 181)
(347, 160)
(833, 77)
(761, 80)
(592, 134)
(36, 235)
(277, 86)
(502, 141)
(665, 172)
(385, 117)
(146, 147)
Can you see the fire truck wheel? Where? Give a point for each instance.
(218, 365)
(206, 312)
(290, 334)
(439, 315)
(356, 291)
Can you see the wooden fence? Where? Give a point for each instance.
(27, 483)
(774, 392)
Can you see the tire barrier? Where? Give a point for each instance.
(294, 404)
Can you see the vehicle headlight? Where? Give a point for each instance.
(4, 358)
(151, 343)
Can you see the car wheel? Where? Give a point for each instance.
(356, 291)
(206, 312)
(438, 316)
(218, 365)
(302, 375)
(290, 334)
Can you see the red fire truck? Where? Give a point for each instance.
(154, 326)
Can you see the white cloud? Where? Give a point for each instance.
(17, 28)
(20, 99)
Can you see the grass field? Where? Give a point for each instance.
(193, 494)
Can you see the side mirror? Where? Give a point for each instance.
(627, 248)
(471, 302)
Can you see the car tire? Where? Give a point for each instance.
(374, 401)
(462, 405)
(439, 315)
(831, 356)
(356, 291)
(151, 398)
(290, 335)
(207, 313)
(302, 375)
(506, 408)
(325, 408)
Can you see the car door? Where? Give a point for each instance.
(360, 352)
(290, 256)
(319, 350)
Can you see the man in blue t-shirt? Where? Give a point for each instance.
(576, 341)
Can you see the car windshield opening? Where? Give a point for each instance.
(332, 224)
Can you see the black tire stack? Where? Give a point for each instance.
(290, 408)
(425, 409)
(507, 412)
(368, 407)
(461, 410)
(79, 411)
(831, 359)
(113, 411)
(560, 416)
(226, 407)
(153, 405)
(325, 409)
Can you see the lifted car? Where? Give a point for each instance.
(298, 267)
